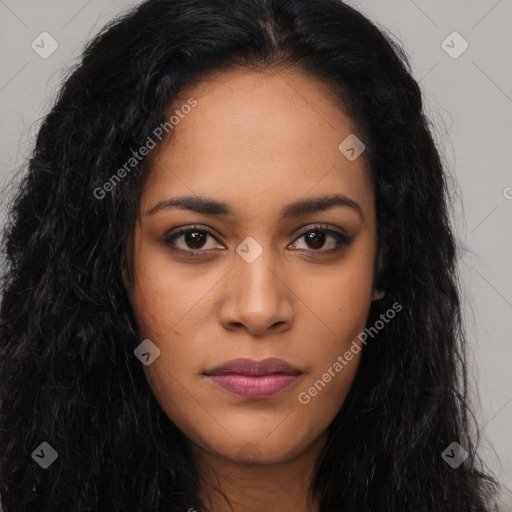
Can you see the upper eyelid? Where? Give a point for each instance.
(300, 231)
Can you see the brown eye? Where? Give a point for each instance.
(190, 240)
(315, 239)
(195, 239)
(323, 240)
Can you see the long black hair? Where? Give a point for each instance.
(68, 374)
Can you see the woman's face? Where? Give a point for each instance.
(270, 268)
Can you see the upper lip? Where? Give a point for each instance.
(267, 366)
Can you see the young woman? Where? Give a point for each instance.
(230, 278)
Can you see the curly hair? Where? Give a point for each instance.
(68, 375)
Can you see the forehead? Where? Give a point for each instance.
(254, 136)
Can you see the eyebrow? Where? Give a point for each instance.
(211, 207)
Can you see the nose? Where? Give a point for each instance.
(257, 297)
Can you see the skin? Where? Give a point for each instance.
(257, 142)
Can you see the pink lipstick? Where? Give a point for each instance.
(254, 379)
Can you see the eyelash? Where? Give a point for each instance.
(342, 239)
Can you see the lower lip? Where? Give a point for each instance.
(254, 386)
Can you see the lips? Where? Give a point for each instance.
(254, 379)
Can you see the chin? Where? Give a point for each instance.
(257, 450)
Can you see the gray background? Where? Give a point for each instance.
(468, 99)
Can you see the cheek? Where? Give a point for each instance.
(341, 304)
(334, 355)
(169, 310)
(341, 298)
(164, 297)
